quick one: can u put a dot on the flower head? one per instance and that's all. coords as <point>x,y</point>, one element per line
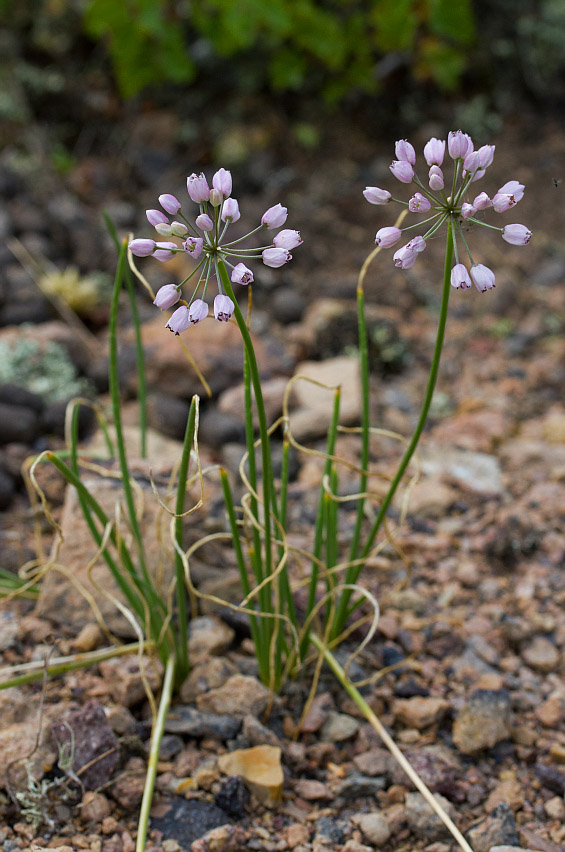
<point>469,166</point>
<point>204,238</point>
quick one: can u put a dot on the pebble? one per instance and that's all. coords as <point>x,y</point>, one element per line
<point>257,734</point>
<point>419,712</point>
<point>555,808</point>
<point>484,720</point>
<point>208,634</point>
<point>498,829</point>
<point>479,472</point>
<point>551,778</point>
<point>312,790</point>
<point>220,427</point>
<point>260,770</point>
<point>94,807</point>
<point>509,791</point>
<point>128,789</point>
<point>338,727</point>
<point>375,828</point>
<point>88,639</point>
<point>210,674</point>
<point>314,403</point>
<point>95,744</point>
<point>123,675</point>
<point>238,696</point>
<point>186,820</point>
<point>18,424</point>
<point>422,820</point>
<point>194,723</point>
<point>233,796</point>
<point>296,834</point>
<point>167,415</point>
<point>552,712</point>
<point>317,713</point>
<point>541,655</point>
<point>355,786</point>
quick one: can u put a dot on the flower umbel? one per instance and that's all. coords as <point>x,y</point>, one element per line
<point>468,166</point>
<point>204,240</point>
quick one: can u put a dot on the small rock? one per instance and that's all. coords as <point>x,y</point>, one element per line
<point>170,746</point>
<point>552,712</point>
<point>356,786</point>
<point>227,838</point>
<point>188,819</point>
<point>296,834</point>
<point>317,713</point>
<point>551,778</point>
<point>120,719</point>
<point>288,305</point>
<point>218,428</point>
<point>420,712</point>
<point>498,829</point>
<point>424,821</point>
<point>239,695</point>
<point>312,416</point>
<point>330,830</point>
<point>541,654</point>
<point>167,415</point>
<point>124,677</point>
<point>338,727</point>
<point>206,774</point>
<point>376,761</point>
<point>94,807</point>
<point>89,731</point>
<point>479,472</point>
<point>312,790</point>
<point>484,720</point>
<point>257,734</point>
<point>18,424</point>
<point>129,787</point>
<point>555,808</point>
<point>194,723</point>
<point>208,634</point>
<point>375,828</point>
<point>354,846</point>
<point>260,770</point>
<point>88,639</point>
<point>210,674</point>
<point>233,797</point>
<point>509,791</point>
<point>9,627</point>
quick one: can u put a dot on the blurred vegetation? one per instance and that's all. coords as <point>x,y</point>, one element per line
<point>336,49</point>
<point>44,369</point>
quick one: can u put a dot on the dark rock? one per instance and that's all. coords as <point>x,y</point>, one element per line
<point>17,424</point>
<point>436,774</point>
<point>171,745</point>
<point>233,797</point>
<point>36,311</point>
<point>91,737</point>
<point>218,428</point>
<point>188,720</point>
<point>483,721</point>
<point>498,829</point>
<point>357,786</point>
<point>53,419</point>
<point>168,415</point>
<point>288,305</point>
<point>551,778</point>
<point>188,819</point>
<point>331,829</point>
<point>16,395</point>
<point>97,372</point>
<point>7,490</point>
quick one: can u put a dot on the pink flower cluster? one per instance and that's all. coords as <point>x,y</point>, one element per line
<point>204,241</point>
<point>469,166</point>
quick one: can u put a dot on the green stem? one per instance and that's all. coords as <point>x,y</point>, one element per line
<point>342,611</point>
<point>365,424</point>
<point>182,643</point>
<point>156,737</point>
<point>388,741</point>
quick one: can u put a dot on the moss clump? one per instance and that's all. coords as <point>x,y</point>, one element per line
<point>44,369</point>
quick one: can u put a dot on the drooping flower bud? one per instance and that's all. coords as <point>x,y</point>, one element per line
<point>198,311</point>
<point>482,201</point>
<point>435,176</point>
<point>276,257</point>
<point>193,246</point>
<point>179,321</point>
<point>434,151</point>
<point>405,151</point>
<point>204,222</point>
<point>471,162</point>
<point>222,182</point>
<point>405,257</point>
<point>241,274</point>
<point>287,239</point>
<point>165,251</point>
<point>198,188</point>
<point>482,277</point>
<point>142,248</point>
<point>216,197</point>
<point>467,210</point>
<point>274,217</point>
<point>387,237</point>
<point>508,196</point>
<point>486,155</point>
<point>166,297</point>
<point>230,210</point>
<point>374,195</point>
<point>163,229</point>
<point>223,307</point>
<point>417,244</point>
<point>516,235</point>
<point>459,144</point>
<point>170,203</point>
<point>155,217</point>
<point>419,203</point>
<point>460,277</point>
<point>402,170</point>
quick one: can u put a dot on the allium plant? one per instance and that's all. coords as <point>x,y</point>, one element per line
<point>205,240</point>
<point>456,207</point>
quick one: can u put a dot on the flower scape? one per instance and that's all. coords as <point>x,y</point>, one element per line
<point>204,241</point>
<point>469,167</point>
